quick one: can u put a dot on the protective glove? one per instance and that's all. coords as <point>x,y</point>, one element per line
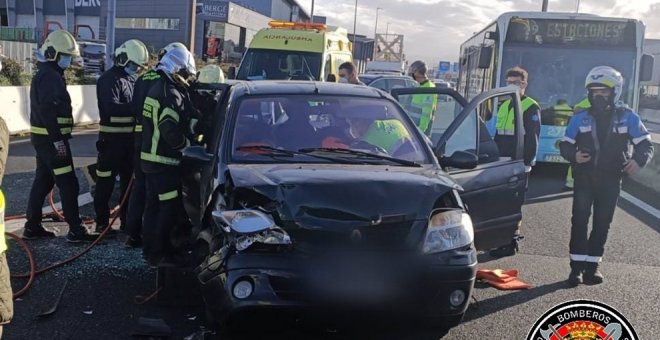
<point>60,149</point>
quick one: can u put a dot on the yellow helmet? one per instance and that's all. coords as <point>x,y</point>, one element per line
<point>132,51</point>
<point>59,42</point>
<point>169,47</point>
<point>211,74</point>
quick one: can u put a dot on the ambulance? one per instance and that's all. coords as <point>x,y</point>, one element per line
<point>295,51</point>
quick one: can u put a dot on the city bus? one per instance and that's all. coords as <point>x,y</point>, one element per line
<point>558,50</point>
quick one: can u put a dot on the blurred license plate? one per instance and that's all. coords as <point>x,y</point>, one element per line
<point>554,158</point>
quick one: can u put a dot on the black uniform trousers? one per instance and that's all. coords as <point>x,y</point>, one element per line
<point>601,193</point>
<point>115,157</point>
<point>162,211</point>
<point>136,202</point>
<point>53,170</point>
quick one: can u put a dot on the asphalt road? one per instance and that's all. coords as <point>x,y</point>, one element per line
<point>105,281</point>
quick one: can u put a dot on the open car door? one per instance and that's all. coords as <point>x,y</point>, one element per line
<point>494,186</point>
<point>199,160</point>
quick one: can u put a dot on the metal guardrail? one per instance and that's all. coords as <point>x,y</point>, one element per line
<point>22,34</point>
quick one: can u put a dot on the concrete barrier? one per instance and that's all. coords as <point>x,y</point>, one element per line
<point>649,115</point>
<point>649,176</point>
<point>15,106</point>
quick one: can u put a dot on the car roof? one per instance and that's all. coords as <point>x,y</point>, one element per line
<point>287,87</point>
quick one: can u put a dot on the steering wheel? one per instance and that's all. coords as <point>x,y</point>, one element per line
<point>363,145</point>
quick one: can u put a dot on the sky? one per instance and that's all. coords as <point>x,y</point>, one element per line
<point>434,29</point>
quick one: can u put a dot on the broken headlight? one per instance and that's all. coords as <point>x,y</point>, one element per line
<point>251,226</point>
<point>448,230</point>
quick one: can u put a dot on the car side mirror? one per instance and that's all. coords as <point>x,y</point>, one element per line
<point>331,78</point>
<point>231,72</point>
<point>460,160</point>
<point>196,154</point>
<point>646,68</point>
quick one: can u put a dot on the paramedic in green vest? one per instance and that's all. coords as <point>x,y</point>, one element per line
<point>562,112</point>
<point>388,135</point>
<point>505,134</point>
<point>423,105</point>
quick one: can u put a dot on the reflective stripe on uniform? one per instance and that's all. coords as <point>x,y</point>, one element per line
<point>62,120</point>
<point>103,174</point>
<point>159,159</point>
<point>63,170</point>
<point>167,112</point>
<point>122,119</point>
<point>116,129</point>
<point>168,195</point>
<point>138,128</point>
<point>43,131</point>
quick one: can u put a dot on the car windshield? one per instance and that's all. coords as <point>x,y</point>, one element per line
<point>261,64</point>
<point>345,129</point>
<point>557,74</point>
<point>93,50</point>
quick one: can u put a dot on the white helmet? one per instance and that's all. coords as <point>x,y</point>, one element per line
<point>605,76</point>
<point>132,50</point>
<point>169,47</point>
<point>179,64</point>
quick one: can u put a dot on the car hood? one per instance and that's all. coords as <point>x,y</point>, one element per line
<point>336,196</point>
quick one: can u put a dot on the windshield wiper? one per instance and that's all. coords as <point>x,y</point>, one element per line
<point>267,150</point>
<point>349,152</point>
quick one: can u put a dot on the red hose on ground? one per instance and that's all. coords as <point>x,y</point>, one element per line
<point>33,271</point>
<point>33,266</point>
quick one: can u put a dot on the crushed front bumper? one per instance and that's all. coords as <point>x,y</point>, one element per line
<point>419,285</point>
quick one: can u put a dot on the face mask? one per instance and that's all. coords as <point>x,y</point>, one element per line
<point>599,103</point>
<point>64,62</point>
<point>131,69</point>
<point>343,80</point>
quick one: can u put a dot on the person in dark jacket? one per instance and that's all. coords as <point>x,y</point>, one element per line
<point>51,122</point>
<point>114,91</point>
<point>165,132</point>
<point>597,144</point>
<point>136,201</point>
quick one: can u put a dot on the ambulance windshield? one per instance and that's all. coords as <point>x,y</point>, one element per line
<point>261,64</point>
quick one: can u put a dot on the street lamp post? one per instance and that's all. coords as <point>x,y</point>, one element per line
<point>376,27</point>
<point>354,27</point>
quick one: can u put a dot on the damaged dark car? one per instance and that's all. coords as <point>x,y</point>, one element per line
<point>315,197</point>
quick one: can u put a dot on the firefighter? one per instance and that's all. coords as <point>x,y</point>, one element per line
<point>6,299</point>
<point>137,201</point>
<point>114,90</point>
<point>597,145</point>
<point>424,105</point>
<point>205,101</point>
<point>165,127</point>
<point>51,122</point>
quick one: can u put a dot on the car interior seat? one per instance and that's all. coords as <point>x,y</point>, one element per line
<point>297,132</point>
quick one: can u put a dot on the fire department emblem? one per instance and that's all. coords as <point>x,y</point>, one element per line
<point>582,320</point>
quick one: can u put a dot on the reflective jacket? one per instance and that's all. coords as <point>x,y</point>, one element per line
<point>114,91</point>
<point>531,124</point>
<point>608,154</point>
<point>165,125</point>
<point>51,119</point>
<point>140,92</point>
<point>423,107</point>
<point>388,134</point>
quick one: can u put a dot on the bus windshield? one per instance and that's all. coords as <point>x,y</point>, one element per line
<point>558,73</point>
<point>260,64</point>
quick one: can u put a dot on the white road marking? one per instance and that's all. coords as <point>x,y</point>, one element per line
<point>640,204</point>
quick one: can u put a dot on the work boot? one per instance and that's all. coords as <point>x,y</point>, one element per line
<point>101,227</point>
<point>80,235</point>
<point>592,275</point>
<point>34,232</point>
<point>133,242</point>
<point>575,277</point>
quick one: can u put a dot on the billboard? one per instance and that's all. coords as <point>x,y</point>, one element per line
<point>87,7</point>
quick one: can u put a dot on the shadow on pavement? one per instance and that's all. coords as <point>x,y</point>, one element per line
<point>499,303</point>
